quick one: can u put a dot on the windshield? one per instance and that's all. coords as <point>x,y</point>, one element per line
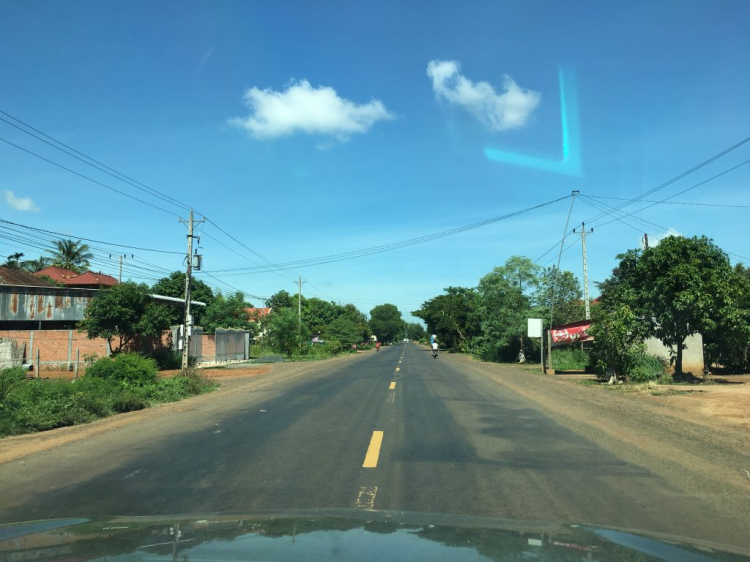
<point>467,258</point>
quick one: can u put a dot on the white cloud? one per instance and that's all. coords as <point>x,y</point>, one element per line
<point>19,203</point>
<point>302,108</point>
<point>499,112</point>
<point>669,232</point>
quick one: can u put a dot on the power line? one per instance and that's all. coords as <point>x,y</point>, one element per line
<point>395,245</point>
<point>92,180</point>
<point>88,160</point>
<point>664,201</point>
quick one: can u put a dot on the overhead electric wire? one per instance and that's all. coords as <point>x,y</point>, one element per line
<point>664,201</point>
<point>72,152</point>
<point>87,177</point>
<point>394,245</point>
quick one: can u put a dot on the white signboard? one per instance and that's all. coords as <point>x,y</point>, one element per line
<point>535,327</point>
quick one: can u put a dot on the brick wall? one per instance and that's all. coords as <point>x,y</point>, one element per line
<point>58,347</point>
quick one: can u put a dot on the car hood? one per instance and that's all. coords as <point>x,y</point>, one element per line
<point>340,534</point>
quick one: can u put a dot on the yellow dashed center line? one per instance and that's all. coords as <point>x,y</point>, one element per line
<point>398,368</point>
<point>366,497</point>
<point>393,386</point>
<point>373,451</point>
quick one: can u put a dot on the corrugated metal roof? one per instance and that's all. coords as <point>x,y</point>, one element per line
<point>56,273</point>
<point>91,278</point>
<point>19,277</point>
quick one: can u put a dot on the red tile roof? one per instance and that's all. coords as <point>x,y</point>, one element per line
<point>91,278</point>
<point>56,273</point>
<point>255,314</point>
<point>10,276</point>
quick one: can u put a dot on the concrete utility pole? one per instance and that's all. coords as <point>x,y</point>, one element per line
<point>645,241</point>
<point>299,303</point>
<point>187,325</point>
<point>585,271</point>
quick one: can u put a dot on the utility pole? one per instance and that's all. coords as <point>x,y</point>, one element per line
<point>187,325</point>
<point>585,270</point>
<point>121,257</point>
<point>299,304</point>
<point>645,241</point>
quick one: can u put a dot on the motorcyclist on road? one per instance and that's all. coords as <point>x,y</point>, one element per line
<point>377,346</point>
<point>434,348</point>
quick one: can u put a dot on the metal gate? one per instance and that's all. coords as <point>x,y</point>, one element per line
<point>230,345</point>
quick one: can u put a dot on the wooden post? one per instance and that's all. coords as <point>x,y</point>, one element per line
<point>78,359</point>
<point>550,368</point>
<point>37,362</point>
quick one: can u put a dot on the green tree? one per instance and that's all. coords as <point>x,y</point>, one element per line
<point>344,331</point>
<point>32,266</point>
<point>174,286</point>
<point>415,331</point>
<point>728,343</point>
<point>280,301</point>
<point>71,254</point>
<point>386,323</point>
<point>505,303</point>
<point>618,345</point>
<point>452,317</point>
<point>13,261</point>
<point>227,312</point>
<point>677,288</point>
<point>285,334</point>
<point>125,311</point>
<point>568,306</point>
<point>318,314</point>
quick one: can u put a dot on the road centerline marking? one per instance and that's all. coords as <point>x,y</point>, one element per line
<point>398,368</point>
<point>392,397</point>
<point>392,386</point>
<point>373,451</point>
<point>366,497</point>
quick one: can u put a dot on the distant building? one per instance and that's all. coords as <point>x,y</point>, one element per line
<point>88,280</point>
<point>257,314</point>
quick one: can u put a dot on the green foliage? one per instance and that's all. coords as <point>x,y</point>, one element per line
<point>648,368</point>
<point>280,301</point>
<point>728,343</point>
<point>568,305</point>
<point>618,346</point>
<point>130,368</point>
<point>13,261</point>
<point>570,359</point>
<point>10,378</point>
<point>677,288</point>
<point>174,286</point>
<point>38,405</point>
<point>226,312</point>
<point>71,254</point>
<point>32,266</point>
<point>452,317</point>
<point>285,334</point>
<point>386,323</point>
<point>167,359</point>
<point>344,331</point>
<point>125,311</point>
<point>415,331</point>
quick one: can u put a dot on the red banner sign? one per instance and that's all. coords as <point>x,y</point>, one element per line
<point>571,333</point>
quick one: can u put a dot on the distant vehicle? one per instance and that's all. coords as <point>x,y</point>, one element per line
<point>406,340</point>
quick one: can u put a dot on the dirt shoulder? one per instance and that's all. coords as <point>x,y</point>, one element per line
<point>235,383</point>
<point>684,438</point>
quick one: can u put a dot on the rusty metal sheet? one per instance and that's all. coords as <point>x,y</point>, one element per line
<point>41,303</point>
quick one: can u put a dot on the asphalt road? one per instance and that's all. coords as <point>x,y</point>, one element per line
<point>393,430</point>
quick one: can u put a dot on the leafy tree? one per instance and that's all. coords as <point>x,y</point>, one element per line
<point>618,345</point>
<point>280,301</point>
<point>285,333</point>
<point>568,306</point>
<point>174,286</point>
<point>32,266</point>
<point>677,288</point>
<point>415,331</point>
<point>728,343</point>
<point>505,303</point>
<point>227,312</point>
<point>13,261</point>
<point>386,322</point>
<point>71,254</point>
<point>344,331</point>
<point>125,311</point>
<point>452,317</point>
<point>318,314</point>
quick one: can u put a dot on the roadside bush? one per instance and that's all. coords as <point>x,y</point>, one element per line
<point>647,368</point>
<point>10,378</point>
<point>132,368</point>
<point>167,359</point>
<point>570,359</point>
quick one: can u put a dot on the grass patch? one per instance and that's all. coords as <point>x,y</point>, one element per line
<point>570,359</point>
<point>38,405</point>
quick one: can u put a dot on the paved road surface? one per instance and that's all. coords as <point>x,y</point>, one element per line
<point>435,437</point>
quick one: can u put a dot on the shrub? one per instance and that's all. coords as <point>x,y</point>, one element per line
<point>131,368</point>
<point>569,359</point>
<point>10,378</point>
<point>167,359</point>
<point>647,368</point>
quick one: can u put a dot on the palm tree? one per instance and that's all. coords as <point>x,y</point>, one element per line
<point>13,261</point>
<point>72,255</point>
<point>32,266</point>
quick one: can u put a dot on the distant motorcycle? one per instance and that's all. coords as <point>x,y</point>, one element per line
<point>434,353</point>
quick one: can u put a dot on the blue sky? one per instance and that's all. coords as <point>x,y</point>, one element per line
<point>306,129</point>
